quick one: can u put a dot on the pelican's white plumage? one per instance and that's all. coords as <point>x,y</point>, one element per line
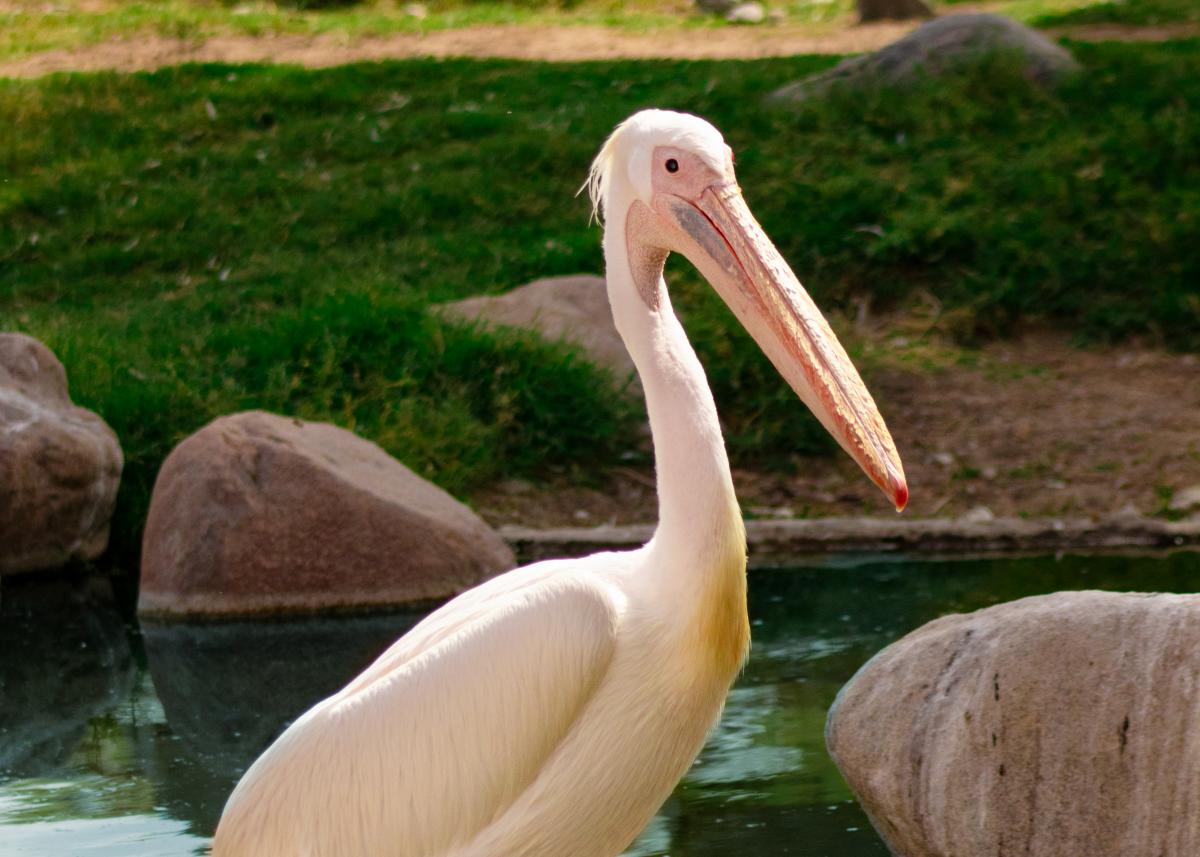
<point>551,710</point>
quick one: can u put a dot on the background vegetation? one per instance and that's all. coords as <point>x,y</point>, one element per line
<point>203,240</point>
<point>1137,13</point>
<point>29,26</point>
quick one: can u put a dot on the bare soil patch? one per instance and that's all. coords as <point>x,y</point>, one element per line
<point>1030,428</point>
<point>523,42</point>
<point>501,41</point>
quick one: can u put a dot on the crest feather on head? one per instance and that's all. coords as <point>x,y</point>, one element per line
<point>600,174</point>
<point>652,128</point>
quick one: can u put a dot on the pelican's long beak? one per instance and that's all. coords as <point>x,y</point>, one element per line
<point>735,255</point>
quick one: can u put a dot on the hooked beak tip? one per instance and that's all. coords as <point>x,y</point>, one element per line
<point>899,486</point>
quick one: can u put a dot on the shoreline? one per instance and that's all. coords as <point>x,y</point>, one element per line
<point>778,542</point>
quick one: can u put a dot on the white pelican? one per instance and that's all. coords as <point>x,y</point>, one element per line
<point>550,711</point>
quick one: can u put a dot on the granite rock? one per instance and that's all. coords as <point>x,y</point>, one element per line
<point>60,465</point>
<point>258,513</point>
<point>938,48</point>
<point>1053,726</point>
<point>574,309</point>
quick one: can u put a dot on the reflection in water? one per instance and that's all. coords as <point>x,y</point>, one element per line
<point>109,750</point>
<point>64,663</point>
<point>228,689</point>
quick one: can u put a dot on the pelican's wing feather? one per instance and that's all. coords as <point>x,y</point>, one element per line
<point>468,609</point>
<point>423,751</point>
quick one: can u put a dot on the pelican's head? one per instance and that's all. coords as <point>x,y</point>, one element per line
<point>666,181</point>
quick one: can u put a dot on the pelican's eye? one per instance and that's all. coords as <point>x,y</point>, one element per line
<point>672,165</point>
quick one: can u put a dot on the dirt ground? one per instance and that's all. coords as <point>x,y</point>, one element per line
<point>1033,427</point>
<point>509,41</point>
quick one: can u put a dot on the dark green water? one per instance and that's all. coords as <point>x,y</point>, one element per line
<point>123,741</point>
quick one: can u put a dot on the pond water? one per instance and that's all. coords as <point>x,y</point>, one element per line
<point>123,741</point>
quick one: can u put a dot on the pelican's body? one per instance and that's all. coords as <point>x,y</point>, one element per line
<point>551,710</point>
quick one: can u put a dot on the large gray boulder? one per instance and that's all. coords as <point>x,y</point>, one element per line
<point>574,309</point>
<point>258,513</point>
<point>60,465</point>
<point>1056,726</point>
<point>937,48</point>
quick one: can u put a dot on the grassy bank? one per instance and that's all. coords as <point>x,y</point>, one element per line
<point>208,239</point>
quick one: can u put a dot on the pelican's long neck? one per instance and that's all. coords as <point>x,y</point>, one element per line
<point>699,519</point>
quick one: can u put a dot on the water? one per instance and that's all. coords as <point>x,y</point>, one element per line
<point>119,741</point>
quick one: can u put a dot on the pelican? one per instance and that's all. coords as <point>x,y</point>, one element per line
<point>551,710</point>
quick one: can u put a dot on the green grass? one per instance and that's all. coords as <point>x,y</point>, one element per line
<point>208,239</point>
<point>1079,206</point>
<point>1134,13</point>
